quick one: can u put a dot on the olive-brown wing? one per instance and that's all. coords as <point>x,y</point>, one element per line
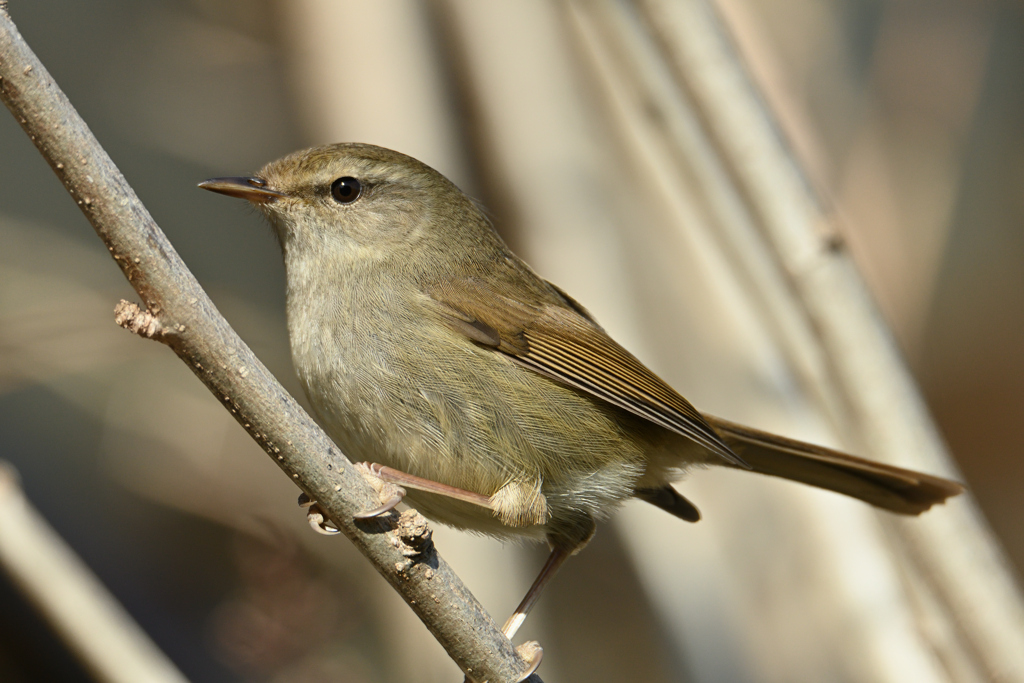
<point>547,333</point>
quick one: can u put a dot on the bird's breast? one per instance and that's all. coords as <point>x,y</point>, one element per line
<point>393,385</point>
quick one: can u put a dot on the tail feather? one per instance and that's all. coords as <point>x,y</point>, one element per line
<point>891,488</point>
<point>671,501</point>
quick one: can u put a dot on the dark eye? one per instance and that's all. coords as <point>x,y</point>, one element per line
<point>346,190</point>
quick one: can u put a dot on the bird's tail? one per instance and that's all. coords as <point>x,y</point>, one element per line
<point>891,488</point>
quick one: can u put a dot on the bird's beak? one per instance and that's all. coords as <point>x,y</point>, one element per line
<point>253,189</point>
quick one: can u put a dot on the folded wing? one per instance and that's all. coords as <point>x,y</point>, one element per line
<point>553,335</point>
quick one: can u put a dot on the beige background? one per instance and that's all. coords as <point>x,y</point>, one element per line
<point>907,115</point>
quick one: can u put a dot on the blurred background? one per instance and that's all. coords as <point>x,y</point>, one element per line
<point>908,115</point>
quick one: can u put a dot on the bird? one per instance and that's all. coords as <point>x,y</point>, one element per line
<point>486,394</point>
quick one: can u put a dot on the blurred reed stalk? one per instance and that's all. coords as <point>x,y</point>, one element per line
<point>673,70</point>
<point>79,609</point>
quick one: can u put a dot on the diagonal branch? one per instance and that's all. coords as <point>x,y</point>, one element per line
<point>181,315</point>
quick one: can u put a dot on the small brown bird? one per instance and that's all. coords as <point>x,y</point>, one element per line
<point>425,345</point>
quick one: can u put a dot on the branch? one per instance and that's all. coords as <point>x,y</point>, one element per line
<point>181,315</point>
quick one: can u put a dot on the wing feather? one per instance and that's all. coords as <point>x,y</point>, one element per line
<point>556,337</point>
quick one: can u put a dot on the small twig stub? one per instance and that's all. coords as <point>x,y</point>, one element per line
<point>131,317</point>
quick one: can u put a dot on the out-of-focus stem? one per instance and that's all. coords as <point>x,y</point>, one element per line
<point>72,600</point>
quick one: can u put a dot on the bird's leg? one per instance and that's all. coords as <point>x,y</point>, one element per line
<point>555,559</point>
<point>569,537</point>
<point>532,652</point>
<point>393,476</point>
<point>389,484</point>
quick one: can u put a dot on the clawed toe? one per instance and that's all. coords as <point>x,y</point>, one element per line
<point>388,506</point>
<point>315,516</point>
<point>318,522</point>
<point>533,653</point>
<point>390,493</point>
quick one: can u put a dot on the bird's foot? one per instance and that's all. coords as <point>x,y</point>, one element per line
<point>532,653</point>
<point>315,516</point>
<point>390,493</point>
